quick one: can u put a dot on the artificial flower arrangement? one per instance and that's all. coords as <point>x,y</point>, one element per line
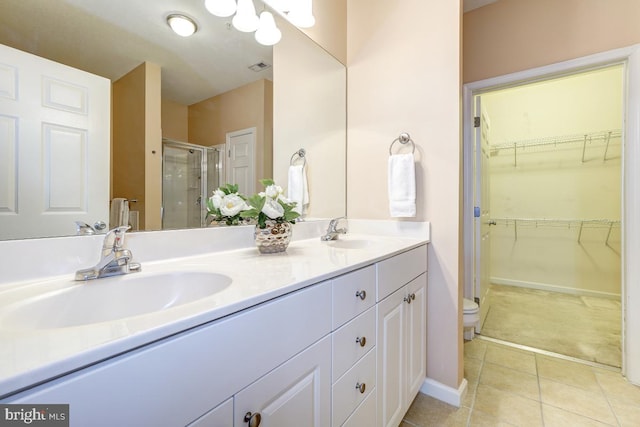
<point>270,204</point>
<point>229,206</point>
<point>226,205</point>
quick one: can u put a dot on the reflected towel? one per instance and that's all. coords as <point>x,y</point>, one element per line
<point>402,185</point>
<point>297,188</point>
<point>119,214</point>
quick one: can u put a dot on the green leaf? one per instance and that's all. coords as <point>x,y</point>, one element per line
<point>250,213</point>
<point>267,182</point>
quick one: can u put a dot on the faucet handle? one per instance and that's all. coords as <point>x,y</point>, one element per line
<point>334,222</point>
<point>114,240</point>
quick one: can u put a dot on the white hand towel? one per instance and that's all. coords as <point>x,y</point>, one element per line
<point>402,185</point>
<point>297,188</point>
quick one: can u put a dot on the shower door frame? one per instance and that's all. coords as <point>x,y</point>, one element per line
<point>629,57</point>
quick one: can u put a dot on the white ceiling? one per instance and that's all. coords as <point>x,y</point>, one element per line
<point>111,37</point>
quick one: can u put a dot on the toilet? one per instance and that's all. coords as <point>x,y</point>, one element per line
<point>471,317</point>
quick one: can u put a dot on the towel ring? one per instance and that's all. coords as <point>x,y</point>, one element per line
<point>301,153</point>
<point>403,139</point>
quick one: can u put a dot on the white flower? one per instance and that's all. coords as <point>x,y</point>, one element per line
<point>272,209</point>
<point>273,191</point>
<point>216,198</point>
<point>232,204</point>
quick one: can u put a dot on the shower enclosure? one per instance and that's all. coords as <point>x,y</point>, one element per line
<point>189,174</point>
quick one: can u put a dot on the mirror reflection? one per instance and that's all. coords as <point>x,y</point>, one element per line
<point>175,108</point>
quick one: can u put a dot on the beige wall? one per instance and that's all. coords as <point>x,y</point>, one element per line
<point>245,107</point>
<point>137,149</point>
<point>309,111</point>
<point>175,118</point>
<point>404,75</point>
<point>514,35</point>
<point>153,148</point>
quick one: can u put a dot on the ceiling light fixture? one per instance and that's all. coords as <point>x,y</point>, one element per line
<point>301,14</point>
<point>221,8</point>
<point>182,25</point>
<point>246,19</point>
<point>298,12</point>
<point>268,34</point>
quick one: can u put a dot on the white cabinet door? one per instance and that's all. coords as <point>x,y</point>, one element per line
<point>391,359</point>
<point>416,336</point>
<point>402,350</point>
<point>297,393</point>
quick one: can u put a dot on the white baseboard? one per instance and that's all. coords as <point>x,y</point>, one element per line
<point>443,392</point>
<point>553,288</point>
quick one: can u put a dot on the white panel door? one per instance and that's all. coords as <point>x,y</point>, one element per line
<point>54,146</point>
<point>483,222</point>
<point>241,163</point>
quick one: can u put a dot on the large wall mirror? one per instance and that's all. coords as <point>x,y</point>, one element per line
<point>174,103</point>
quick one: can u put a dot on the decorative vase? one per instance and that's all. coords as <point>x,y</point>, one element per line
<point>274,238</point>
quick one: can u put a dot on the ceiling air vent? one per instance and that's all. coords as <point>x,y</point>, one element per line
<point>260,66</point>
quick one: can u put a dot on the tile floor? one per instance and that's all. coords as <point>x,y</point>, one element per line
<point>513,387</point>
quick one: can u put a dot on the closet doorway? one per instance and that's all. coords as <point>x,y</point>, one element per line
<point>629,58</point>
<point>550,192</point>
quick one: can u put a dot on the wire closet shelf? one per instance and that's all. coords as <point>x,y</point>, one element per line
<point>571,224</point>
<point>600,138</point>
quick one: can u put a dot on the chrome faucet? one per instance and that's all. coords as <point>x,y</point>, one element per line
<point>115,259</point>
<point>333,231</point>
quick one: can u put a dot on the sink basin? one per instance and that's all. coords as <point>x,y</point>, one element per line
<point>111,298</point>
<point>349,243</point>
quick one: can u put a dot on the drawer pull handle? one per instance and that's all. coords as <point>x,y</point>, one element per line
<point>409,298</point>
<point>362,341</point>
<point>361,387</point>
<point>253,419</point>
<point>361,294</point>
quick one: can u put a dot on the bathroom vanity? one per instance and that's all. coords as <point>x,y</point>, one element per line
<point>327,334</point>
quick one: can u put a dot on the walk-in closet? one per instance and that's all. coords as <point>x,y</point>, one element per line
<point>554,184</point>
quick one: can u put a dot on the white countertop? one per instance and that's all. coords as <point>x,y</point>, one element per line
<point>30,356</point>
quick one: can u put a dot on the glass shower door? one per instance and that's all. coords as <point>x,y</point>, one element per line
<point>182,170</point>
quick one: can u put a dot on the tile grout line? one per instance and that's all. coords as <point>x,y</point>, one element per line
<point>606,396</point>
<point>535,358</point>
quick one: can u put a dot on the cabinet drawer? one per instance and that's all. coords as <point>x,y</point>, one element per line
<point>353,293</point>
<point>346,349</point>
<point>346,396</point>
<point>397,271</point>
<point>365,415</point>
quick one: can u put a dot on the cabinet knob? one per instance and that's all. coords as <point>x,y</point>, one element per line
<point>253,419</point>
<point>362,341</point>
<point>361,387</point>
<point>409,298</point>
<point>361,294</point>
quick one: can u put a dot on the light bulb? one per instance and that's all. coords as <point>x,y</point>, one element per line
<point>182,25</point>
<point>246,19</point>
<point>222,8</point>
<point>301,14</point>
<point>267,34</point>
